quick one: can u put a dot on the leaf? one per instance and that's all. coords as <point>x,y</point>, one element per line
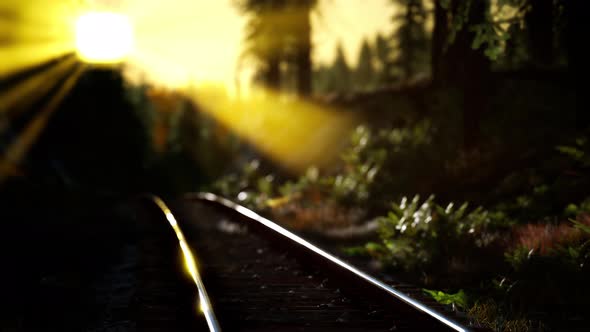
<point>583,227</point>
<point>573,252</point>
<point>355,251</point>
<point>571,151</point>
<point>459,299</point>
<point>373,246</point>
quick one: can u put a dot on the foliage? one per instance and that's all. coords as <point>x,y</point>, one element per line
<point>489,314</point>
<point>335,78</point>
<point>368,174</point>
<point>560,272</point>
<point>369,165</point>
<point>458,299</point>
<point>364,75</point>
<point>386,163</point>
<point>277,31</point>
<point>361,166</point>
<point>247,185</point>
<point>547,269</point>
<point>383,58</point>
<point>572,210</point>
<point>425,236</point>
<point>410,38</point>
<point>493,33</point>
<point>579,151</point>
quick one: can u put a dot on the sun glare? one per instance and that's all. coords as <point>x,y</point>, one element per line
<point>104,37</point>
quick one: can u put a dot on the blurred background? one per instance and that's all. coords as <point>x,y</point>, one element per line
<point>320,114</point>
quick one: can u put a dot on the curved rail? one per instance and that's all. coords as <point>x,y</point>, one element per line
<point>417,305</point>
<point>191,265</point>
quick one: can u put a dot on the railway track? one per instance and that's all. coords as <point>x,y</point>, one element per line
<point>250,274</point>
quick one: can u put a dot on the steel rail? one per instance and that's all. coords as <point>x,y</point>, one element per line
<point>251,215</point>
<point>191,264</point>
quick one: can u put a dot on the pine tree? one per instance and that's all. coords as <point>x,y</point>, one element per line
<point>340,81</point>
<point>364,76</point>
<point>301,32</point>
<point>412,39</point>
<point>383,55</point>
<point>457,65</point>
<point>279,32</point>
<point>265,38</point>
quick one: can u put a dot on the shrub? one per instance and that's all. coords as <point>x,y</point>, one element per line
<point>424,236</point>
<point>380,165</point>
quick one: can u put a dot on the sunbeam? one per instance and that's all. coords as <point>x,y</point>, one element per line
<point>25,93</point>
<point>195,45</point>
<point>33,32</point>
<point>180,45</point>
<point>18,149</point>
<point>295,133</point>
<point>16,152</point>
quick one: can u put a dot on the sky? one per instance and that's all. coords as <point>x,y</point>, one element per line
<point>186,41</point>
<point>348,21</point>
<point>200,40</point>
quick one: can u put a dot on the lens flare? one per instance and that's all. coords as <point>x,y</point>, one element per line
<point>103,37</point>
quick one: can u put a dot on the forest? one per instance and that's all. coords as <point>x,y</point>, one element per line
<point>460,148</point>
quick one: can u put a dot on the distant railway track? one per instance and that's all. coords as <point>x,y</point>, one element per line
<point>251,274</point>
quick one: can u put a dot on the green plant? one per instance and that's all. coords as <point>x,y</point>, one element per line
<point>372,165</point>
<point>543,278</point>
<point>573,210</point>
<point>458,299</point>
<point>363,160</point>
<point>247,185</point>
<point>425,236</point>
<point>579,151</point>
<point>488,313</point>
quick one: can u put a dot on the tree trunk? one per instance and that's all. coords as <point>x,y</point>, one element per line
<point>467,70</point>
<point>576,51</point>
<point>303,54</point>
<point>439,37</point>
<point>273,73</point>
<point>539,21</point>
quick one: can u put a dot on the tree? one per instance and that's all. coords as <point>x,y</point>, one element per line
<point>340,71</point>
<point>322,79</point>
<point>335,77</point>
<point>301,30</point>
<point>383,51</point>
<point>460,66</point>
<point>265,38</point>
<point>364,76</point>
<point>440,34</point>
<point>576,55</point>
<point>540,24</point>
<point>411,37</point>
<point>279,31</point>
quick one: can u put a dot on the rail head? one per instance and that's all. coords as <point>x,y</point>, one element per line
<point>417,305</point>
<point>191,264</point>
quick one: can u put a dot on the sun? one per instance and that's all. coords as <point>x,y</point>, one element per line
<point>104,37</point>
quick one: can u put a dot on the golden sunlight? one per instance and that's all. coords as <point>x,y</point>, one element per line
<point>295,133</point>
<point>189,44</point>
<point>103,37</point>
<point>33,32</point>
